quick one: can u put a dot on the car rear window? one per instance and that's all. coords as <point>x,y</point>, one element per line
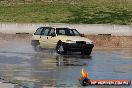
<point>38,31</point>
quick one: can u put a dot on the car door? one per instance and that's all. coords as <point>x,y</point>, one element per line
<point>52,38</point>
<point>44,38</point>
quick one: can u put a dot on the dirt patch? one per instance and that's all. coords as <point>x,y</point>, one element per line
<point>6,39</point>
<point>15,37</point>
<point>100,41</point>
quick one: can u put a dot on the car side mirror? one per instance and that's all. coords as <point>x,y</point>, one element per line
<point>82,35</point>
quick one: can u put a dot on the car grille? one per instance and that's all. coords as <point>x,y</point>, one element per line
<point>80,42</point>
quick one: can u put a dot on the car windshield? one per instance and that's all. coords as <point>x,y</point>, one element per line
<point>67,32</point>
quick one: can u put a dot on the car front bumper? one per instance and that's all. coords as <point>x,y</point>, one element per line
<point>77,47</point>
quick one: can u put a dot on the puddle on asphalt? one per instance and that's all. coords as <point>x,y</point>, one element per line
<point>48,69</point>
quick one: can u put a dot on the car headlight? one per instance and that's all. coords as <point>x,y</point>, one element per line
<point>70,41</point>
<point>89,42</point>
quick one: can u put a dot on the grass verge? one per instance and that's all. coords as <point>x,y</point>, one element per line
<point>71,11</point>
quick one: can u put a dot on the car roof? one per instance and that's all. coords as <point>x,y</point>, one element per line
<point>56,27</point>
<point>62,28</point>
<point>45,27</point>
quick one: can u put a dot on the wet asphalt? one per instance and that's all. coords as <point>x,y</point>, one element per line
<point>26,68</point>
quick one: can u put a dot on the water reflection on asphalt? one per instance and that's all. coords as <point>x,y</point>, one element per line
<point>48,69</point>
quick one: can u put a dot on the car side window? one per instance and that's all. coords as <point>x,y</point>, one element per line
<point>52,31</point>
<point>76,32</point>
<point>45,32</point>
<point>71,32</point>
<point>61,32</point>
<point>38,31</point>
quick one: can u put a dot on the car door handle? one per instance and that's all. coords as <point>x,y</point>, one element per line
<point>47,37</point>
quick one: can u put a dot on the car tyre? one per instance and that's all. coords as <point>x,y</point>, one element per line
<point>60,48</point>
<point>37,47</point>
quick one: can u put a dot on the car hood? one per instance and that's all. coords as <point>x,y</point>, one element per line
<point>76,38</point>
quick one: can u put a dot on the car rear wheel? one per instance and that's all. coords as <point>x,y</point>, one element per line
<point>37,48</point>
<point>60,48</point>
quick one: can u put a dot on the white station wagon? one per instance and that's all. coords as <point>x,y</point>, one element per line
<point>61,39</point>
